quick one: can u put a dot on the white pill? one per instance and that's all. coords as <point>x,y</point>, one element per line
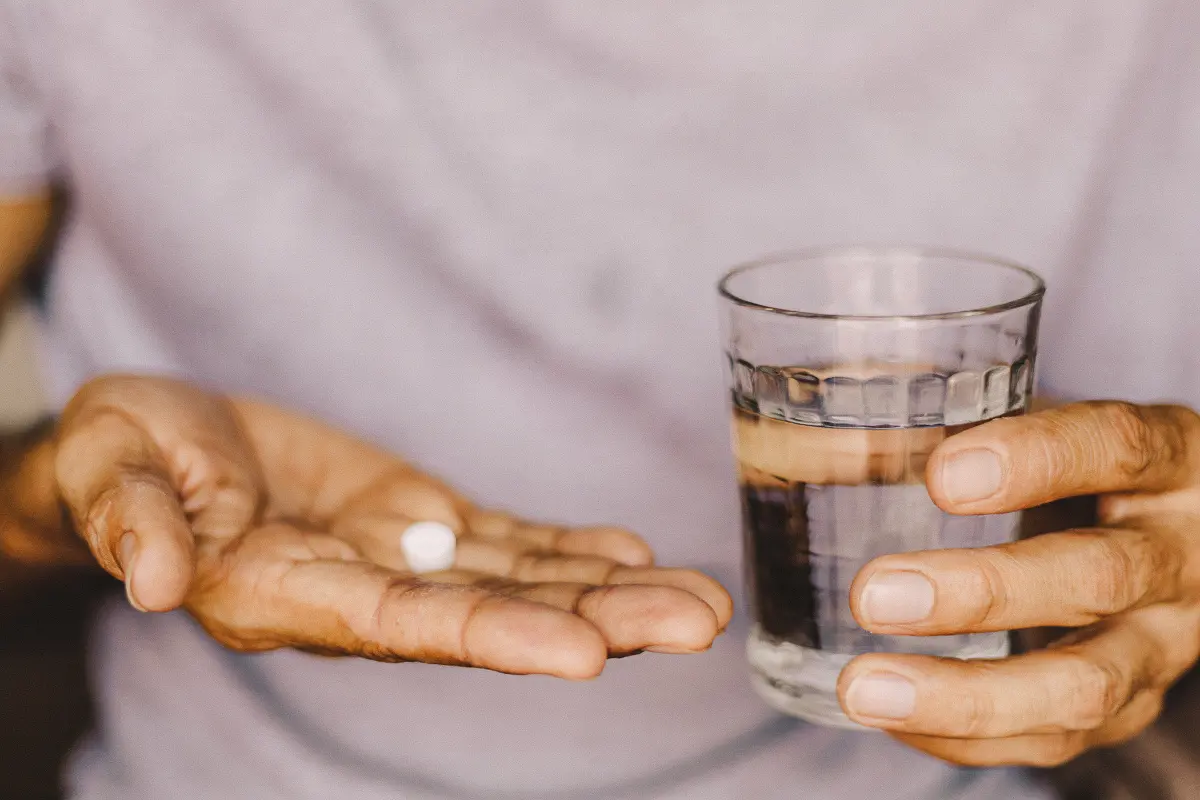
<point>428,546</point>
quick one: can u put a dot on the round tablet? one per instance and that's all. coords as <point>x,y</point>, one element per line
<point>428,546</point>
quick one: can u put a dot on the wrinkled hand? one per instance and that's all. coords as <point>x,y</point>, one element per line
<point>1131,588</point>
<point>274,530</point>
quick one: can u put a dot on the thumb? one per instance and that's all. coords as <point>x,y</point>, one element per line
<point>116,484</point>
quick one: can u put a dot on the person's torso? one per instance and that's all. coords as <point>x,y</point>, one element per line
<point>486,234</point>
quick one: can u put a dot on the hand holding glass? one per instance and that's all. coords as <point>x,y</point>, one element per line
<point>846,369</point>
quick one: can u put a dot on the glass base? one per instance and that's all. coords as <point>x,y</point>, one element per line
<point>802,682</point>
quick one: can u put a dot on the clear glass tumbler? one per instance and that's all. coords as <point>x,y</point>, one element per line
<point>846,368</point>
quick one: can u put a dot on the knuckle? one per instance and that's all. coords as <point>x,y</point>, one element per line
<point>1177,437</point>
<point>413,620</point>
<point>410,593</point>
<point>992,598</point>
<point>590,601</point>
<point>463,651</point>
<point>1097,690</point>
<point>1140,444</point>
<point>1116,577</point>
<point>402,605</point>
<point>978,714</point>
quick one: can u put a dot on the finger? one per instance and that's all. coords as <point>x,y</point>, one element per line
<point>539,567</point>
<point>614,544</point>
<point>375,519</point>
<point>505,560</point>
<point>486,522</point>
<point>206,453</point>
<point>378,535</point>
<point>617,544</point>
<point>406,496</point>
<point>338,474</point>
<point>379,539</point>
<point>1081,449</point>
<point>630,617</point>
<point>1040,750</point>
<point>273,597</point>
<point>1065,579</point>
<point>697,583</point>
<point>662,618</point>
<point>1078,687</point>
<point>510,557</point>
<point>536,537</point>
<point>115,483</point>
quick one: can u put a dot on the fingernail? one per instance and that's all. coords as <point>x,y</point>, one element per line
<point>882,695</point>
<point>128,553</point>
<point>897,598</point>
<point>971,475</point>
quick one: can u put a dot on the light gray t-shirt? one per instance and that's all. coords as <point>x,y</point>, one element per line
<point>485,232</point>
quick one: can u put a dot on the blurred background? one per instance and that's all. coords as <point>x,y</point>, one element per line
<point>44,702</point>
<point>21,398</point>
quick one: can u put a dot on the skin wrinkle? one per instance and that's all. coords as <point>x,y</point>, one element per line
<point>1115,591</point>
<point>97,519</point>
<point>219,556</point>
<point>1051,456</point>
<point>411,626</point>
<point>980,713</point>
<point>597,596</point>
<point>528,566</point>
<point>102,515</point>
<point>1120,690</point>
<point>473,615</point>
<point>1135,585</point>
<point>995,593</point>
<point>194,475</point>
<point>182,466</point>
<point>393,592</point>
<point>580,598</point>
<point>286,584</point>
<point>238,511</point>
<point>281,581</point>
<point>1096,692</point>
<point>1141,444</point>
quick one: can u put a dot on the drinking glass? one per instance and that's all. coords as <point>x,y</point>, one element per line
<point>846,368</point>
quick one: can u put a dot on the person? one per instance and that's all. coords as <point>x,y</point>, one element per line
<point>483,235</point>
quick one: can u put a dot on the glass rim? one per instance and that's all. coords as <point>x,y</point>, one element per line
<point>916,251</point>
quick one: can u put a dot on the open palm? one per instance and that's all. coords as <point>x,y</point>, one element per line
<point>274,530</point>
